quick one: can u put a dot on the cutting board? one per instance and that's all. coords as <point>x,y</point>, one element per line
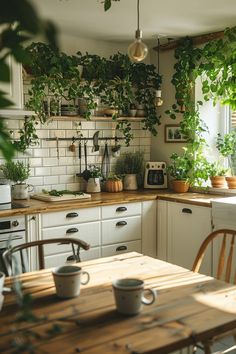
<point>50,198</point>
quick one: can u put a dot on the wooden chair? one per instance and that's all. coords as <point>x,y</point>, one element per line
<point>223,241</point>
<point>8,254</point>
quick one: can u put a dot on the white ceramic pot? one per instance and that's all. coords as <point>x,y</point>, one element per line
<point>93,185</point>
<point>21,191</point>
<point>130,182</point>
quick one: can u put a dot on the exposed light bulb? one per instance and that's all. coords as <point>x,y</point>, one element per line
<point>137,51</point>
<point>158,99</point>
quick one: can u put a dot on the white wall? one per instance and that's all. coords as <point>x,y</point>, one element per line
<point>160,151</point>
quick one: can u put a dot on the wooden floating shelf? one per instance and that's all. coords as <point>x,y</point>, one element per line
<point>97,119</point>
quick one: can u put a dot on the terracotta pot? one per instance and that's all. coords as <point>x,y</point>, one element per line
<point>231,182</point>
<point>180,186</point>
<point>218,182</point>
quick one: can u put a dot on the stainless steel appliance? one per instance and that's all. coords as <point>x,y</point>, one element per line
<point>155,175</point>
<point>12,232</point>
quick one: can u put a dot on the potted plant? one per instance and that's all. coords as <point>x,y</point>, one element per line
<point>227,147</point>
<point>180,170</point>
<point>17,172</point>
<point>217,175</point>
<point>130,165</point>
<point>114,183</point>
<point>93,184</point>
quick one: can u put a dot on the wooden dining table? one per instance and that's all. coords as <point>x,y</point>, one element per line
<point>190,308</point>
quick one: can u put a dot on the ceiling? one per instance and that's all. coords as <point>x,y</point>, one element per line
<point>169,18</point>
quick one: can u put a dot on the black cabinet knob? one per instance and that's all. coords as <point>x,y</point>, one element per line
<point>72,230</point>
<point>121,209</point>
<point>121,248</point>
<point>72,215</point>
<point>121,223</point>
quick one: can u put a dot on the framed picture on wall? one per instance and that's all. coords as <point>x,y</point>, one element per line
<point>173,134</point>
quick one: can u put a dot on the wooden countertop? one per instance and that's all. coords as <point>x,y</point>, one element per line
<point>33,206</point>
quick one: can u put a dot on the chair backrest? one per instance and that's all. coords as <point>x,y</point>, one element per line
<point>8,254</point>
<point>224,241</point>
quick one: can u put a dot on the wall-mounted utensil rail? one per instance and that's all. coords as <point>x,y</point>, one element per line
<point>116,138</point>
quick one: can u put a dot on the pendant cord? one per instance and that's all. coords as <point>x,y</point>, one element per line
<point>158,54</point>
<point>138,13</point>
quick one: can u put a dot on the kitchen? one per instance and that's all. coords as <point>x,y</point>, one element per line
<point>158,213</point>
<point>53,165</point>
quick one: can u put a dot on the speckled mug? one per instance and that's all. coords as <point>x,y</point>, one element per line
<point>129,296</point>
<point>67,280</point>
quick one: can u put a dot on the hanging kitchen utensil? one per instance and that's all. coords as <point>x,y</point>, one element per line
<point>85,173</point>
<point>72,146</point>
<point>80,159</point>
<point>95,141</point>
<point>105,162</point>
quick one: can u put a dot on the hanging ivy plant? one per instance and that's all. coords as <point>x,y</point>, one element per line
<point>117,80</point>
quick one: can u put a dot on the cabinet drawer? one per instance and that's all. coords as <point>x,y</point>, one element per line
<point>120,230</point>
<point>89,233</point>
<point>70,217</point>
<point>121,248</point>
<point>57,260</point>
<point>120,210</point>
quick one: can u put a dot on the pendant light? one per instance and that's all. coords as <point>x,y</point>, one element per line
<point>137,50</point>
<point>158,99</point>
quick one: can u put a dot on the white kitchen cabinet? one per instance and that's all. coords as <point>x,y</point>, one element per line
<point>149,228</point>
<point>121,228</point>
<point>84,224</point>
<point>181,230</point>
<point>14,88</point>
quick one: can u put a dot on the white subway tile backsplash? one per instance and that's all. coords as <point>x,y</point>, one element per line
<point>63,124</point>
<point>51,180</point>
<point>50,161</point>
<point>47,171</point>
<point>42,171</point>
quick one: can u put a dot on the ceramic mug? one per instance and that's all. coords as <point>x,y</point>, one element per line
<point>21,190</point>
<point>2,278</point>
<point>129,296</point>
<point>67,280</point>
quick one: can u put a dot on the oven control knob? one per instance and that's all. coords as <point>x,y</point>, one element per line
<point>15,223</point>
<point>148,166</point>
<point>163,166</point>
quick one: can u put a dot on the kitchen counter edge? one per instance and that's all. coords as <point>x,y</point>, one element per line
<point>33,206</point>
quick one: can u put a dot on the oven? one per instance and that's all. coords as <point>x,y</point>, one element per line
<point>155,175</point>
<point>12,233</point>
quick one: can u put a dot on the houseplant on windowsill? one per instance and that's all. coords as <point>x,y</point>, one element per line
<point>180,170</point>
<point>17,172</point>
<point>93,184</point>
<point>217,175</point>
<point>130,165</point>
<point>227,147</point>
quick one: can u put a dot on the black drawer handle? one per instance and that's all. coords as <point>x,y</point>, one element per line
<point>121,223</point>
<point>187,211</point>
<point>121,248</point>
<point>121,209</point>
<point>72,230</point>
<point>72,215</point>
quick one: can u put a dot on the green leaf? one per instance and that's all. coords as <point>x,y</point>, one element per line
<point>107,4</point>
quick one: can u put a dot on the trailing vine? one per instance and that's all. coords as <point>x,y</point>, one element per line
<point>117,81</point>
<point>215,64</point>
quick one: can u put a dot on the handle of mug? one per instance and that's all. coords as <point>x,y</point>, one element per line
<point>88,278</point>
<point>146,301</point>
<point>30,188</point>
